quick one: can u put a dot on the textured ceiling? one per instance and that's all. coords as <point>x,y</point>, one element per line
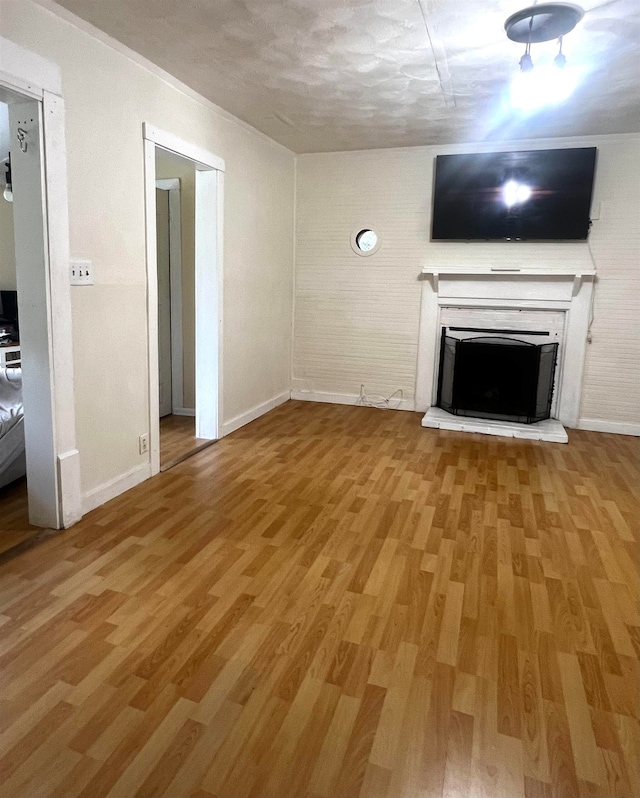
<point>320,75</point>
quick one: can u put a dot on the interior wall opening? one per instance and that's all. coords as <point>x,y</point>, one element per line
<point>14,516</point>
<point>184,266</point>
<point>29,478</point>
<point>175,241</point>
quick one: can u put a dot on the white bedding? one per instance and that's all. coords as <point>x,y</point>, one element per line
<point>12,461</point>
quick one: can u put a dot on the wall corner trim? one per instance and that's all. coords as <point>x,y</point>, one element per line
<point>184,411</point>
<point>253,413</point>
<point>114,487</point>
<point>69,478</point>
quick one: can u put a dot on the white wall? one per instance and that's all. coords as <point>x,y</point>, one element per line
<point>108,96</point>
<point>356,319</point>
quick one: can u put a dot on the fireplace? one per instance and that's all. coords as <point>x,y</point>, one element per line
<point>545,311</point>
<point>496,377</point>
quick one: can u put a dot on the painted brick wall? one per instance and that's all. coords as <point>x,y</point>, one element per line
<point>356,319</point>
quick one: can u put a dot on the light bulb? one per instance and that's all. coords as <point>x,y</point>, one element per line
<point>560,61</point>
<point>526,63</point>
<point>544,85</point>
<point>8,193</point>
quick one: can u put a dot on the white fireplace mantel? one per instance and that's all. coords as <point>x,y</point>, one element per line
<point>567,290</point>
<point>498,270</point>
<point>531,275</point>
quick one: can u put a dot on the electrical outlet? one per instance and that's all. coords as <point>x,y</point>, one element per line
<point>81,272</point>
<point>143,442</point>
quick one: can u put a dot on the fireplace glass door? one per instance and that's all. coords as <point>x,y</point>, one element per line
<point>497,378</point>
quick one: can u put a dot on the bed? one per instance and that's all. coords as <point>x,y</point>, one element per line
<point>12,456</point>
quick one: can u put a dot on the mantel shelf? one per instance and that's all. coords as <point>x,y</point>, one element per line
<point>484,272</point>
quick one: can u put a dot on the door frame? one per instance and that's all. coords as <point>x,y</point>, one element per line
<point>59,504</point>
<point>172,186</point>
<point>209,215</point>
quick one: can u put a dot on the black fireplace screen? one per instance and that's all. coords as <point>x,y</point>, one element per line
<point>497,378</point>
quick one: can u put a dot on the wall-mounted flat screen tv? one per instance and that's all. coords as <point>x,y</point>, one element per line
<point>534,195</point>
<point>9,314</point>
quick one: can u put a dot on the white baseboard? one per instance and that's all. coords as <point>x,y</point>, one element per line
<point>183,411</point>
<point>346,399</point>
<point>114,487</point>
<point>251,415</point>
<point>617,427</point>
<point>69,474</point>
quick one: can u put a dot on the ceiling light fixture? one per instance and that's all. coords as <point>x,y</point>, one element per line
<point>548,84</point>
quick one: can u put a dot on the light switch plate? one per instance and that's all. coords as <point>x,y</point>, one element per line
<point>81,272</point>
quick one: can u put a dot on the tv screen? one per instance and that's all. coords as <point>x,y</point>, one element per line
<point>535,195</point>
<point>9,312</point>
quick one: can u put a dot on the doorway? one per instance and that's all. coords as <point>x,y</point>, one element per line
<point>38,190</point>
<point>184,273</point>
<point>175,241</point>
<point>14,516</point>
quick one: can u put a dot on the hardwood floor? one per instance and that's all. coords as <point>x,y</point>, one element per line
<point>178,440</point>
<point>335,602</point>
<point>15,528</point>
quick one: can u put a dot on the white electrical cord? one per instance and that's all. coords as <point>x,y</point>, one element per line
<point>381,402</point>
<point>593,294</point>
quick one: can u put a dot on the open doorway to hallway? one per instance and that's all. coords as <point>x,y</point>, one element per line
<point>34,347</point>
<point>14,516</point>
<point>175,242</point>
<point>175,198</point>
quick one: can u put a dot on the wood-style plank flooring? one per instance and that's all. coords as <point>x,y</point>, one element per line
<point>333,601</point>
<point>14,516</point>
<point>178,440</point>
